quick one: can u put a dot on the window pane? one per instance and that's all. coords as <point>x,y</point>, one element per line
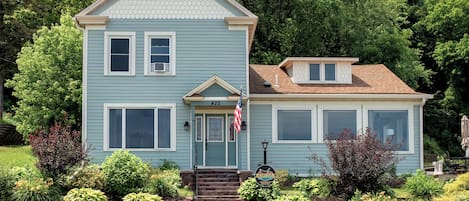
<point>164,128</point>
<point>198,128</point>
<point>160,42</point>
<point>139,128</point>
<point>159,50</point>
<point>390,125</point>
<point>215,129</point>
<point>120,46</point>
<point>329,72</point>
<point>120,63</point>
<point>159,59</point>
<point>294,125</point>
<point>232,136</point>
<point>314,71</point>
<point>336,121</point>
<point>115,128</point>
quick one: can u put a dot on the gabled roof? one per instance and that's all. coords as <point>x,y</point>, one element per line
<point>231,11</point>
<point>366,79</point>
<point>195,94</point>
<point>287,62</point>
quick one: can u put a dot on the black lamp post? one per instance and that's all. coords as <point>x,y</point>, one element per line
<point>264,145</point>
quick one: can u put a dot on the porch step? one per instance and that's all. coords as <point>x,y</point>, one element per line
<point>217,184</point>
<point>218,198</point>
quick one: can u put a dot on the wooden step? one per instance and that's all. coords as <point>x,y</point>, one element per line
<point>216,198</point>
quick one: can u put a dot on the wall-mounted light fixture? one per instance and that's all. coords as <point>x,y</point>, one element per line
<point>243,125</point>
<point>186,126</point>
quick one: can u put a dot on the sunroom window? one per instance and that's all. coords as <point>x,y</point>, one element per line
<point>337,122</point>
<point>294,125</point>
<point>391,126</point>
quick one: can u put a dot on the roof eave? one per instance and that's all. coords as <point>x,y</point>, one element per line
<point>287,62</point>
<point>414,97</point>
<point>82,21</point>
<point>249,21</point>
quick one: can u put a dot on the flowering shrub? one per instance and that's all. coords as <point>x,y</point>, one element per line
<point>359,162</point>
<point>372,197</point>
<point>89,176</point>
<point>57,149</point>
<point>165,183</point>
<point>35,190</point>
<point>85,194</point>
<point>458,190</point>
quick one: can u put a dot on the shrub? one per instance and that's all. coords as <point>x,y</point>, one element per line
<point>359,162</point>
<point>313,187</point>
<point>124,173</point>
<point>141,197</point>
<point>291,198</point>
<point>358,196</point>
<point>35,190</point>
<point>281,176</point>
<point>423,186</point>
<point>168,165</point>
<point>165,183</point>
<point>458,190</point>
<point>7,183</point>
<point>251,191</point>
<point>85,194</point>
<point>57,149</point>
<point>89,176</point>
<point>25,173</point>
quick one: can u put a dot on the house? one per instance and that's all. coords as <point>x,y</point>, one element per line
<point>161,78</point>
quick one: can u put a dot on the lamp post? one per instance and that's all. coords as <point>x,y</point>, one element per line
<point>264,145</point>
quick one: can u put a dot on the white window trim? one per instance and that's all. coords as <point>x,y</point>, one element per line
<point>410,121</point>
<point>322,73</point>
<point>323,107</point>
<point>147,52</point>
<point>108,106</point>
<point>107,52</point>
<point>275,109</point>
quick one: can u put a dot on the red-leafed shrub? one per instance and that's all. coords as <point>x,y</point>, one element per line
<point>57,149</point>
<point>359,163</point>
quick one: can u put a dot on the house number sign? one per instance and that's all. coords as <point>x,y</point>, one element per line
<point>265,176</point>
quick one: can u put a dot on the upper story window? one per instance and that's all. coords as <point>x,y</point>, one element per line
<point>322,72</point>
<point>160,53</point>
<point>119,53</point>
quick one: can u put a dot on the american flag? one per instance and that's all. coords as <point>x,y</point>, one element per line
<point>238,112</point>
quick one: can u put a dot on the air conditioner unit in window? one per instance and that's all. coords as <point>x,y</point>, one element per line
<point>159,67</point>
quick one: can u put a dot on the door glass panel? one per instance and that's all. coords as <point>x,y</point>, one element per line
<point>198,129</point>
<point>215,129</point>
<point>231,133</point>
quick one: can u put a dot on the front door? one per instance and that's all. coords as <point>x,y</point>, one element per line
<point>215,140</point>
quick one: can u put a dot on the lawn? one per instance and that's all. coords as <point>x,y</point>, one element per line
<point>11,156</point>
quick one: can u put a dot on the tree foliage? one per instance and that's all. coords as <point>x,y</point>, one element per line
<point>48,84</point>
<point>367,29</point>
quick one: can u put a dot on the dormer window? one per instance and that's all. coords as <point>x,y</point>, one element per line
<point>322,72</point>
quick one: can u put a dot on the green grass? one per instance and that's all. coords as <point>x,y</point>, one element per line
<point>11,156</point>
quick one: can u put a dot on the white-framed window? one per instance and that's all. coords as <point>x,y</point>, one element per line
<point>119,53</point>
<point>160,53</point>
<point>199,128</point>
<point>140,127</point>
<point>335,119</point>
<point>293,124</point>
<point>392,124</point>
<point>322,72</point>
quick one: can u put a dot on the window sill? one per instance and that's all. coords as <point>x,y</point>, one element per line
<point>159,75</point>
<point>119,75</point>
<point>293,142</point>
<point>140,150</point>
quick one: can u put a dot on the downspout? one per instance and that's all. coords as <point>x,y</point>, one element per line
<point>83,83</point>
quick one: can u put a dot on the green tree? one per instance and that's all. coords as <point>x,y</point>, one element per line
<point>369,29</point>
<point>48,84</point>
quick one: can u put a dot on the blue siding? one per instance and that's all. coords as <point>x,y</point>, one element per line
<point>204,48</point>
<point>294,157</point>
<point>215,91</point>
